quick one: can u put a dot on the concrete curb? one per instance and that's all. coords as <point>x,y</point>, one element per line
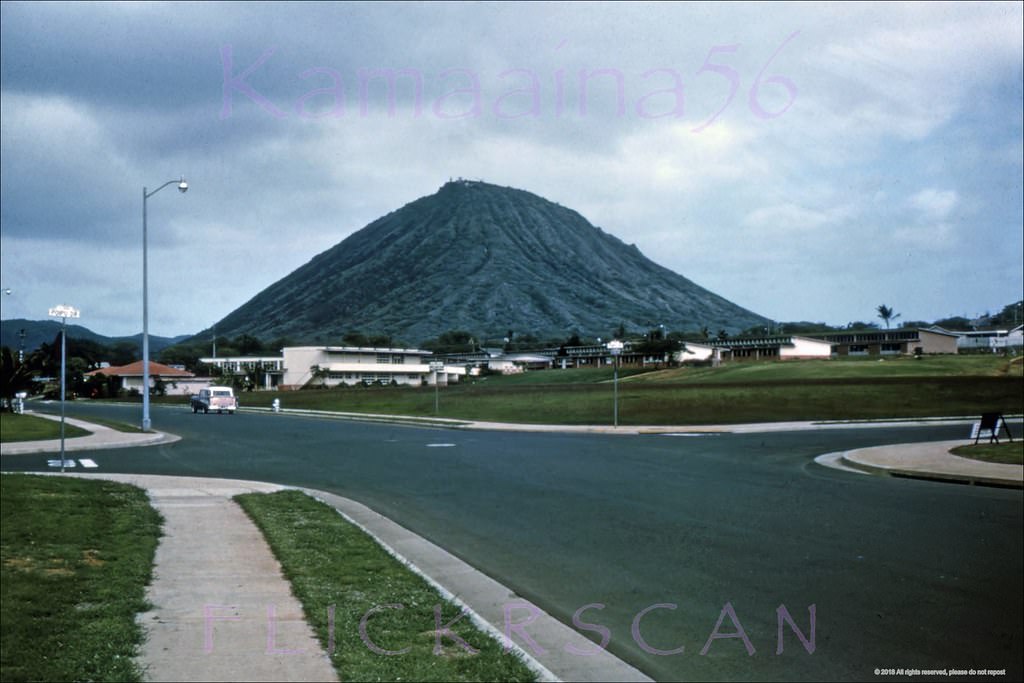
<point>933,461</point>
<point>487,600</point>
<point>630,430</point>
<point>102,437</point>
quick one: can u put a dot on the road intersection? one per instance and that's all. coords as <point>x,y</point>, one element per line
<point>899,573</point>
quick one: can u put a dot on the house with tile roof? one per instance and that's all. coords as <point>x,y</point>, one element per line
<point>176,382</point>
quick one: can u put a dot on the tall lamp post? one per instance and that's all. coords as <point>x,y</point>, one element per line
<point>182,187</point>
<point>615,348</point>
<point>63,312</point>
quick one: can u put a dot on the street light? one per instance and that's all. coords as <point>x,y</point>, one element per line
<point>63,312</point>
<point>615,348</point>
<point>182,187</point>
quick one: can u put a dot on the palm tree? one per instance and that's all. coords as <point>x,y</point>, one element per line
<point>887,314</point>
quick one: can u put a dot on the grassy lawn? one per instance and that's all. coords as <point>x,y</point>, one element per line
<point>75,558</point>
<point>662,403</point>
<point>740,392</point>
<point>331,562</point>
<point>1005,453</point>
<point>31,428</point>
<point>861,368</point>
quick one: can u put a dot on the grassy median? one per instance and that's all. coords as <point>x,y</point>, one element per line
<point>75,558</point>
<point>1006,453</point>
<point>334,567</point>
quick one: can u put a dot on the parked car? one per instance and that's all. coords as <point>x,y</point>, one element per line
<point>221,399</point>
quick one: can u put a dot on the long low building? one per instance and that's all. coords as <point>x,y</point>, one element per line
<point>986,340</point>
<point>904,341</point>
<point>335,365</point>
<point>776,347</point>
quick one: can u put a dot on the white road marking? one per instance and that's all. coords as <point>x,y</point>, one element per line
<point>87,462</point>
<point>57,463</point>
<point>689,434</point>
<point>440,445</point>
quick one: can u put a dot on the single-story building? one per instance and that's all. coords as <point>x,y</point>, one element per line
<point>986,340</point>
<point>597,355</point>
<point>514,363</point>
<point>776,347</point>
<point>697,352</point>
<point>176,382</point>
<point>335,365</point>
<point>905,341</point>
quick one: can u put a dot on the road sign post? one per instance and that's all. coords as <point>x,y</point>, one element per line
<point>63,312</point>
<point>615,348</point>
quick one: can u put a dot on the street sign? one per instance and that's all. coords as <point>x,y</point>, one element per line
<point>64,311</point>
<point>436,366</point>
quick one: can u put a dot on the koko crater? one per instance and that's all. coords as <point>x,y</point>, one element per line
<point>485,259</point>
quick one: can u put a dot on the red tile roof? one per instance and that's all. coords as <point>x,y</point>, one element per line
<point>135,370</point>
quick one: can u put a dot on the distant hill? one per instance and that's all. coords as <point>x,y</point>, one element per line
<point>485,259</point>
<point>38,332</point>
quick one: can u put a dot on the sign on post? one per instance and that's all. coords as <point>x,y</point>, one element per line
<point>989,426</point>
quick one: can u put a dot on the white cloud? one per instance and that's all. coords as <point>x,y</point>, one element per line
<point>791,217</point>
<point>934,204</point>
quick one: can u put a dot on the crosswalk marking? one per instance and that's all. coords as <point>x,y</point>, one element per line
<point>57,463</point>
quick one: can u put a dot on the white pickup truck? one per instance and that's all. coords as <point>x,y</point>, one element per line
<point>221,399</point>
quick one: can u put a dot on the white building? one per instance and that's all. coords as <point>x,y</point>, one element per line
<point>987,340</point>
<point>695,352</point>
<point>773,348</point>
<point>175,381</point>
<point>334,365</point>
<point>267,370</point>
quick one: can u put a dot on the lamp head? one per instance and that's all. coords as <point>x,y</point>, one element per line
<point>183,186</point>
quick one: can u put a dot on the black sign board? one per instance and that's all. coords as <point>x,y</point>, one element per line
<point>991,423</point>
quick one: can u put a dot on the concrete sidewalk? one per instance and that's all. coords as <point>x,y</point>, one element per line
<point>222,609</point>
<point>101,437</point>
<point>932,460</point>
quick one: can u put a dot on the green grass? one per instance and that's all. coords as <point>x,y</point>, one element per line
<point>1005,453</point>
<point>935,386</point>
<point>75,558</point>
<point>116,426</point>
<point>862,368</point>
<point>567,376</point>
<point>330,562</point>
<point>31,428</point>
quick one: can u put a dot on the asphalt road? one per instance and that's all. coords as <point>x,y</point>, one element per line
<point>902,573</point>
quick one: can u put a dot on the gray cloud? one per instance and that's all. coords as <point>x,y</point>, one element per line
<point>780,213</point>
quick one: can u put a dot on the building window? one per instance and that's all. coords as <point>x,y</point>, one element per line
<point>384,358</point>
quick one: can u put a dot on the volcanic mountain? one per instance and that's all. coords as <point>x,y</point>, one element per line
<point>485,259</point>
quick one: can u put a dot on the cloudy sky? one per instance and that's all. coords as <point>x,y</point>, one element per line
<point>808,162</point>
